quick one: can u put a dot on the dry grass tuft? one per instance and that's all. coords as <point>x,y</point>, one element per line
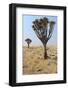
<point>34,63</point>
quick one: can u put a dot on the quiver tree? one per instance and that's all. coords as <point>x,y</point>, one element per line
<point>43,29</point>
<point>28,41</point>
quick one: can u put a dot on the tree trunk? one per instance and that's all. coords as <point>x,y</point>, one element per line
<point>28,45</point>
<point>45,52</point>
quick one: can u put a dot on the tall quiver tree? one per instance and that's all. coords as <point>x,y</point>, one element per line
<point>43,29</point>
<point>28,41</point>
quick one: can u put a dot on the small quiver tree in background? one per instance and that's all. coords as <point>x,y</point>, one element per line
<point>43,29</point>
<point>28,41</point>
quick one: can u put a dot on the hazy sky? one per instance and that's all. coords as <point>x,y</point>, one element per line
<point>29,33</point>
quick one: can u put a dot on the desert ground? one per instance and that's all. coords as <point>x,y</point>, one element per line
<point>34,62</point>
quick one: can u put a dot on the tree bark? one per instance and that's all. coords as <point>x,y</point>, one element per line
<point>28,45</point>
<point>45,52</point>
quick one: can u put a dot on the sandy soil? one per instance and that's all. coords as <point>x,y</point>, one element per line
<point>34,62</point>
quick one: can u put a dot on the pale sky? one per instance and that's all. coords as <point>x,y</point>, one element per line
<point>29,33</point>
